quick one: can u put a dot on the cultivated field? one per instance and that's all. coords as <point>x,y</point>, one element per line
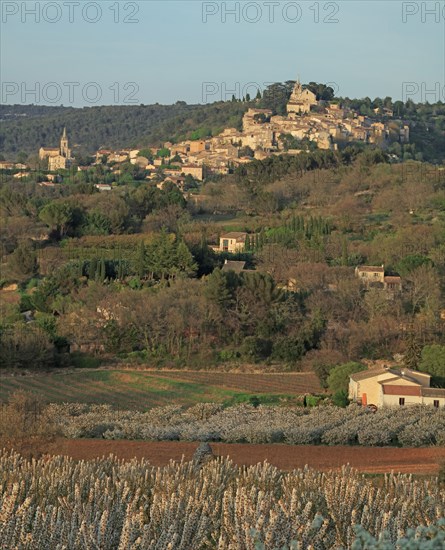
<point>416,426</point>
<point>140,389</point>
<point>373,460</point>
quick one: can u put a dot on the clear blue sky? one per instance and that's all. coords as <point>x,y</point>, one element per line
<point>171,53</point>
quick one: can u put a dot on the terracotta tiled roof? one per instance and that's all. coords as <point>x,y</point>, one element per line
<point>357,376</point>
<point>371,373</point>
<point>397,389</point>
<point>433,392</point>
<point>392,279</point>
<point>233,265</point>
<point>371,268</point>
<point>234,235</point>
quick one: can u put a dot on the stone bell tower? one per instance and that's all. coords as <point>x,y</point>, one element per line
<point>64,149</point>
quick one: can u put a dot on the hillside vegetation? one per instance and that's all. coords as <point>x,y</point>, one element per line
<point>130,272</point>
<point>26,128</point>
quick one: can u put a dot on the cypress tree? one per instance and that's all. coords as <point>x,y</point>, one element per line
<point>262,239</point>
<point>141,260</point>
<point>92,268</point>
<point>413,352</point>
<point>301,224</point>
<point>102,271</point>
<point>344,252</point>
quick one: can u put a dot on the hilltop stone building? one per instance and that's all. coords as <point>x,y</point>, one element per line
<point>301,101</point>
<point>265,133</point>
<point>59,158</point>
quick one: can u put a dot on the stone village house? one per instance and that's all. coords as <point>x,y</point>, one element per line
<point>234,241</point>
<point>375,277</point>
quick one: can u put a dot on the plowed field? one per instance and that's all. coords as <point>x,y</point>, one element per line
<point>286,457</point>
<point>143,389</point>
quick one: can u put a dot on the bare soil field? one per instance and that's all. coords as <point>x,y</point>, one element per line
<point>375,460</point>
<point>298,383</point>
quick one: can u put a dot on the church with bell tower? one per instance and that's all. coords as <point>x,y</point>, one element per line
<point>300,101</point>
<point>59,158</point>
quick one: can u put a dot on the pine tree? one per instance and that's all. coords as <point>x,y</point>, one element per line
<point>217,289</point>
<point>184,259</point>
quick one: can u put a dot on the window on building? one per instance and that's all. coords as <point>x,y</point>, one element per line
<point>436,403</point>
<point>401,400</point>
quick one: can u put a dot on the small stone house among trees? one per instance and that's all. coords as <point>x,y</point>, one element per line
<point>387,387</point>
<point>234,241</point>
<point>370,274</point>
<point>374,276</point>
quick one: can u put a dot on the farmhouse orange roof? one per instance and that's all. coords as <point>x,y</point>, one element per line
<point>398,377</point>
<point>234,235</point>
<point>392,279</point>
<point>362,375</point>
<point>396,389</point>
<point>433,392</point>
<point>372,268</point>
<point>234,265</point>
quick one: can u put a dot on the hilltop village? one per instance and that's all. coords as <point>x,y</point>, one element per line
<point>308,124</point>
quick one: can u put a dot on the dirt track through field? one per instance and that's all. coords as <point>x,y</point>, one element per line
<point>423,460</point>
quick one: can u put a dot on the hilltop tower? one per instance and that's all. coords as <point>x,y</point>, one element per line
<point>300,100</point>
